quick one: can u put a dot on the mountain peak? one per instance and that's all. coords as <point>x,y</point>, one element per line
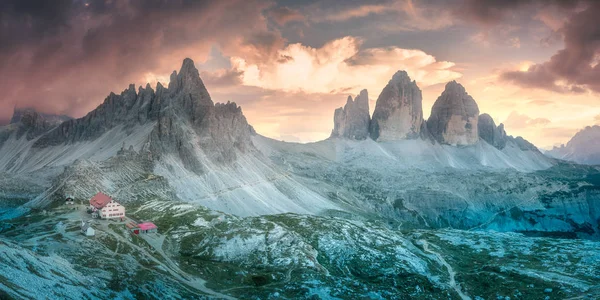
<point>352,120</point>
<point>398,112</point>
<point>188,81</point>
<point>188,63</point>
<point>454,86</point>
<point>188,71</point>
<point>454,117</point>
<point>401,76</point>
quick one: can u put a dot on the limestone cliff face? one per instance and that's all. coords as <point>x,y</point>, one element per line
<point>352,121</point>
<point>495,136</point>
<point>454,117</point>
<point>398,112</point>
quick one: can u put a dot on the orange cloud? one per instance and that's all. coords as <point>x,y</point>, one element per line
<point>340,66</point>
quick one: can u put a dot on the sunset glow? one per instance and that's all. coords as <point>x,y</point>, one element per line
<point>286,62</point>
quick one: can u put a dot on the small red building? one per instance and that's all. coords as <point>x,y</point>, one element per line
<point>146,227</point>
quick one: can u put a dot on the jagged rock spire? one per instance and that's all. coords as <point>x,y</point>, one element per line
<point>352,121</point>
<point>495,136</point>
<point>188,81</point>
<point>399,110</point>
<point>190,92</point>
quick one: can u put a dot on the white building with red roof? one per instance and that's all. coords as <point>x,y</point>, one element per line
<point>104,207</point>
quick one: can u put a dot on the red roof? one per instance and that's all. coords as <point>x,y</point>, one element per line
<point>100,200</point>
<point>147,226</point>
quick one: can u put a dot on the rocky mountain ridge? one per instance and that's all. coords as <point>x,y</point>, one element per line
<point>176,113</point>
<point>398,115</point>
<point>29,122</point>
<point>582,148</point>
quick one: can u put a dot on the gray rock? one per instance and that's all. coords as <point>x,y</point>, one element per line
<point>186,120</point>
<point>522,143</point>
<point>399,110</point>
<point>454,117</point>
<point>495,136</point>
<point>352,121</point>
<point>425,134</point>
<point>52,119</point>
<point>32,124</point>
<point>189,91</point>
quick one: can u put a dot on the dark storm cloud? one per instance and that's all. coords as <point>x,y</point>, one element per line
<point>283,15</point>
<point>576,66</point>
<point>66,56</point>
<point>491,12</point>
<point>27,19</point>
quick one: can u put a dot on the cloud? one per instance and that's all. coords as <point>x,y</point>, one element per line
<point>493,12</point>
<point>540,102</point>
<point>356,12</point>
<point>515,42</point>
<point>519,121</point>
<point>283,114</point>
<point>340,66</point>
<point>66,57</point>
<point>221,77</point>
<point>559,133</point>
<point>573,69</point>
<point>283,15</point>
<point>389,15</point>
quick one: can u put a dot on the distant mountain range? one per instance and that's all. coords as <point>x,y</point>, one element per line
<point>583,148</point>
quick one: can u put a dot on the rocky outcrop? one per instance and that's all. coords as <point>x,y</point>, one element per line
<point>495,136</point>
<point>454,117</point>
<point>523,144</point>
<point>399,110</point>
<point>31,123</point>
<point>20,113</point>
<point>352,121</point>
<point>424,134</point>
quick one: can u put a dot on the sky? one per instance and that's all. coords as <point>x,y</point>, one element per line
<point>532,65</point>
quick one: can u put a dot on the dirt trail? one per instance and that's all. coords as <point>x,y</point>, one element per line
<point>451,273</point>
